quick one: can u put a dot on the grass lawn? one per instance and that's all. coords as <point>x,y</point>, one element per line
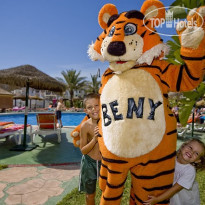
<point>200,177</point>
<point>76,198</point>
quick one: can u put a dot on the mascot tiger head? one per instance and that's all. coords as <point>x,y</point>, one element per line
<point>129,38</point>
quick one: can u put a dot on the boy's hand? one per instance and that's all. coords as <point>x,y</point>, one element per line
<point>151,201</point>
<point>96,132</point>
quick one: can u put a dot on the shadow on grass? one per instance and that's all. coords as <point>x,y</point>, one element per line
<point>51,152</point>
<point>5,146</point>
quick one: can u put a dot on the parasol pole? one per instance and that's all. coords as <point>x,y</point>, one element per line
<point>26,114</point>
<point>25,147</point>
<point>192,124</point>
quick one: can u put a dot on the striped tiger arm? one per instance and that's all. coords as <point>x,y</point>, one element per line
<point>181,78</point>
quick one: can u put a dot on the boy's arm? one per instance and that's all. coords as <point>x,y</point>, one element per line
<point>166,195</point>
<point>75,134</point>
<point>57,107</point>
<point>84,146</point>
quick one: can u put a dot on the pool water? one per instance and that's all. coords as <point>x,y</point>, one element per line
<point>68,119</point>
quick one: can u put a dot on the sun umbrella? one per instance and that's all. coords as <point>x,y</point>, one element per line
<point>35,97</point>
<point>29,76</point>
<point>23,97</point>
<point>19,97</point>
<point>6,99</point>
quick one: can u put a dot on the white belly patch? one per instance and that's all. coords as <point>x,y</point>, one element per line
<point>133,121</point>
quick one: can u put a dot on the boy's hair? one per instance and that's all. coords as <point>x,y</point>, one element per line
<point>200,165</point>
<point>90,96</point>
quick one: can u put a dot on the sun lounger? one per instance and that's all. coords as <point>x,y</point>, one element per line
<point>15,130</point>
<point>2,124</point>
<point>199,127</point>
<point>17,109</point>
<point>181,131</point>
<point>47,124</point>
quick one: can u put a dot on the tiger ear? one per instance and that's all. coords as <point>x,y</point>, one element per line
<point>153,9</point>
<point>105,13</point>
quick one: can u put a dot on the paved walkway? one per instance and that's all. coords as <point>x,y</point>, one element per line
<point>37,185</point>
<point>42,176</point>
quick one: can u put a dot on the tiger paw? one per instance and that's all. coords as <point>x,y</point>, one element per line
<point>192,32</point>
<point>76,137</point>
<point>76,141</point>
<point>75,134</point>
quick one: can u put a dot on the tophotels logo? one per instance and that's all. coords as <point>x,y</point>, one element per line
<point>167,26</point>
<point>169,18</point>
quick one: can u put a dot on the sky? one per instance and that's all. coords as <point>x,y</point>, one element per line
<point>53,35</point>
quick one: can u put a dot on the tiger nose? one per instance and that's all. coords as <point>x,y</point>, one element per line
<point>116,48</point>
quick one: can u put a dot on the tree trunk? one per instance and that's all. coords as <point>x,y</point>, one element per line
<point>71,99</point>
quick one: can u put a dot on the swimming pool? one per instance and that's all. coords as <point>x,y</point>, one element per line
<point>68,119</point>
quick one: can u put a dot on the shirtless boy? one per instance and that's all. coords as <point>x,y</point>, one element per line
<point>59,108</point>
<point>91,159</point>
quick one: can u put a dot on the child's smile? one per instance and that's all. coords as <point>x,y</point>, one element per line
<point>190,153</point>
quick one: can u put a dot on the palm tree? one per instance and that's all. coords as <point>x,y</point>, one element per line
<point>187,4</point>
<point>189,101</point>
<point>74,82</point>
<point>94,85</point>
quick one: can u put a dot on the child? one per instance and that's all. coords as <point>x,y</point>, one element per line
<point>90,163</point>
<point>59,108</point>
<point>185,189</point>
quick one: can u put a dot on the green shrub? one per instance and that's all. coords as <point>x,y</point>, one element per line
<point>3,166</point>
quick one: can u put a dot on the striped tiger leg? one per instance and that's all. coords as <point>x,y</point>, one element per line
<point>132,196</point>
<point>103,176</point>
<point>112,180</point>
<point>152,178</point>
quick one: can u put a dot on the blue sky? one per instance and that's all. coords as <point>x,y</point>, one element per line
<point>53,35</point>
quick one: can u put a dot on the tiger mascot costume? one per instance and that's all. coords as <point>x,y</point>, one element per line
<point>137,125</point>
